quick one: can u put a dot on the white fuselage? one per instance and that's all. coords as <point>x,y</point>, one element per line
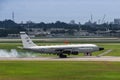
<point>81,48</point>
<point>60,50</point>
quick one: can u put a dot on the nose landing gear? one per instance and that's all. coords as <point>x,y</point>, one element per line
<point>88,54</point>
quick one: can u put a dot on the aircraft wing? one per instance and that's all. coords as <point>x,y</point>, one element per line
<point>67,51</point>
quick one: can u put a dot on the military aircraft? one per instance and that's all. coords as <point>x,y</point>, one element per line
<point>61,50</point>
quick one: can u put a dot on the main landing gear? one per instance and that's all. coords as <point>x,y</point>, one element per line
<point>62,56</point>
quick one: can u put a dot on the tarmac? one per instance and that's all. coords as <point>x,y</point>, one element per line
<point>88,58</point>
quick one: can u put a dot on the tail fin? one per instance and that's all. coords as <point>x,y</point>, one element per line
<point>27,42</point>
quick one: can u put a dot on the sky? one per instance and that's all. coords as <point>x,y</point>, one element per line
<point>62,10</point>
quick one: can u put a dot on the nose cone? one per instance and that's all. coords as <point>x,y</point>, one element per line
<point>100,49</point>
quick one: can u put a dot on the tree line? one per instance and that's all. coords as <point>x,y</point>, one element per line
<point>11,27</point>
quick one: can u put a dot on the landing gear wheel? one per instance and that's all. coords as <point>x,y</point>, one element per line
<point>88,54</point>
<point>62,56</point>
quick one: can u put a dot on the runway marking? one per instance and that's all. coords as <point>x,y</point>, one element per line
<point>104,53</point>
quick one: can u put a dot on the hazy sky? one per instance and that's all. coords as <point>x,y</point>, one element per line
<point>63,10</point>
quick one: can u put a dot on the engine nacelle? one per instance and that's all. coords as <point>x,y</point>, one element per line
<point>71,52</point>
<point>67,52</point>
<point>74,53</point>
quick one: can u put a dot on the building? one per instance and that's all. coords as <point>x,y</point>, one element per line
<point>116,21</point>
<point>37,31</point>
<point>81,33</point>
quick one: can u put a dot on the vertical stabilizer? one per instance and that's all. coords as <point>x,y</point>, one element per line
<point>27,42</point>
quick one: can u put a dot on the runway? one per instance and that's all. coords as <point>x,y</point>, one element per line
<point>93,58</point>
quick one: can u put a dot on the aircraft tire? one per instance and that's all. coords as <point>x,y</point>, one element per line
<point>62,56</point>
